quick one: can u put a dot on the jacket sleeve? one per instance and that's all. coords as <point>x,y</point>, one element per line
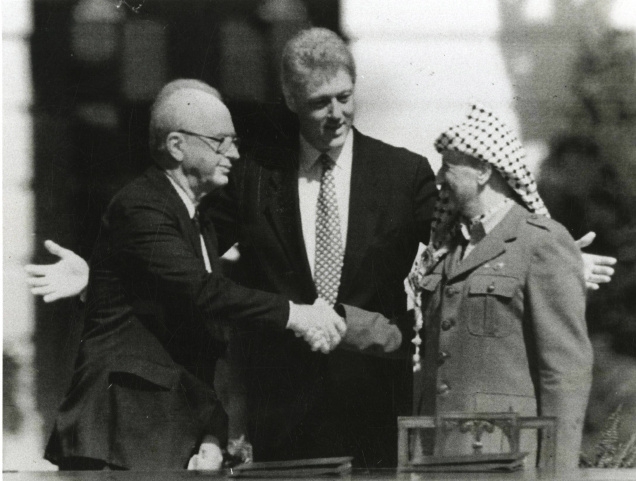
<point>368,332</point>
<point>149,242</point>
<point>425,195</point>
<point>556,295</point>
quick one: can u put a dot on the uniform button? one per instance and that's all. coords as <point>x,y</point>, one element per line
<point>451,291</point>
<point>447,324</point>
<point>442,356</point>
<point>490,288</point>
<point>443,388</point>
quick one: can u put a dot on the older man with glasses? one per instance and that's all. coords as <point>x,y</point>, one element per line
<point>157,305</point>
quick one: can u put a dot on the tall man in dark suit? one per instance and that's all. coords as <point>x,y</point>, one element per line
<point>280,207</point>
<point>141,395</point>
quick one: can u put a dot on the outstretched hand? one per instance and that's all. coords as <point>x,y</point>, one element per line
<point>597,268</point>
<point>66,278</point>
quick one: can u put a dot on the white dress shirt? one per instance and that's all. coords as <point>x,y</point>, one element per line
<point>309,174</point>
<point>192,209</point>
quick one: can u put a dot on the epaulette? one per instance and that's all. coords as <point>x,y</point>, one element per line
<point>539,221</point>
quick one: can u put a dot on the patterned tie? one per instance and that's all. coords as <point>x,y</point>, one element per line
<point>196,220</point>
<point>329,251</point>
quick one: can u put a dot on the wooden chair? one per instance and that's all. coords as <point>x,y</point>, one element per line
<point>413,431</point>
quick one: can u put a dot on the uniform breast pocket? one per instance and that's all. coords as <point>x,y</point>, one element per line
<point>489,305</point>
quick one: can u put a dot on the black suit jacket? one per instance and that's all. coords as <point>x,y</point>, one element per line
<point>141,396</point>
<point>307,403</point>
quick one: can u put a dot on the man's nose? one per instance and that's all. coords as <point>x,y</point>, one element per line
<point>335,109</point>
<point>233,153</point>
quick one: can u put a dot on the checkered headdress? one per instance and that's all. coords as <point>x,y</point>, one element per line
<point>484,137</point>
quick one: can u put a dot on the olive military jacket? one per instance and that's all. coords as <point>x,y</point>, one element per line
<point>505,329</point>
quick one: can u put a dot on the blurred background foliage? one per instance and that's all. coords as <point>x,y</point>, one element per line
<point>589,179</point>
<point>588,182</point>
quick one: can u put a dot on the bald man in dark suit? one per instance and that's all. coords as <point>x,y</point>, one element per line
<point>157,303</point>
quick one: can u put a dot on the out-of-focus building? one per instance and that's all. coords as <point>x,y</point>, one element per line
<point>421,62</point>
<point>22,421</point>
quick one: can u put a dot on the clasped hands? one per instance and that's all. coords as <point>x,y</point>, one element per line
<point>318,324</point>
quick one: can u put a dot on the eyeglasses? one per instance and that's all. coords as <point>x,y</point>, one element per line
<point>225,143</point>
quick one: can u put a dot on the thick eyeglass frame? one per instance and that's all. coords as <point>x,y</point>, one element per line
<point>221,140</point>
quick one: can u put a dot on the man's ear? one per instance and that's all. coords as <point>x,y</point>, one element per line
<point>289,99</point>
<point>174,146</point>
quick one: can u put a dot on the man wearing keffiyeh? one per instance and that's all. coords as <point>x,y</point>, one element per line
<point>500,294</point>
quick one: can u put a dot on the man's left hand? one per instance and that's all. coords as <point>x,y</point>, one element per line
<point>597,269</point>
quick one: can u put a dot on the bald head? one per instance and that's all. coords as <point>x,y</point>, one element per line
<point>196,141</point>
<point>187,83</point>
<point>188,109</point>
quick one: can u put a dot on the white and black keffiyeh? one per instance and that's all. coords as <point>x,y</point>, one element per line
<point>484,137</point>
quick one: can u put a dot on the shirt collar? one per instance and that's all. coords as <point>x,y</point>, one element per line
<point>190,205</point>
<point>309,154</point>
<point>480,226</point>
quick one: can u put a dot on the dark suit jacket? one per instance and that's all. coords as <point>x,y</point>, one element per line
<point>505,331</point>
<point>141,396</point>
<point>309,404</point>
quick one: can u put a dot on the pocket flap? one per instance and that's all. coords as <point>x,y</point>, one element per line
<point>162,376</point>
<point>494,285</point>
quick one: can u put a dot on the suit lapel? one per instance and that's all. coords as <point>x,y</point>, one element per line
<point>366,170</point>
<point>211,244</point>
<point>493,245</point>
<point>452,261</point>
<point>281,208</point>
<point>161,182</point>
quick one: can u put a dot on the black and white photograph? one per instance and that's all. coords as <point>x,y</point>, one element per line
<point>305,239</point>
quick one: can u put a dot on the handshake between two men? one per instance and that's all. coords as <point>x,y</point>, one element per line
<point>324,327</point>
<point>318,324</point>
<point>321,325</point>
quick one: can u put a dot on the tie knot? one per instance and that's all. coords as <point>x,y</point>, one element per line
<point>196,219</point>
<point>326,161</point>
